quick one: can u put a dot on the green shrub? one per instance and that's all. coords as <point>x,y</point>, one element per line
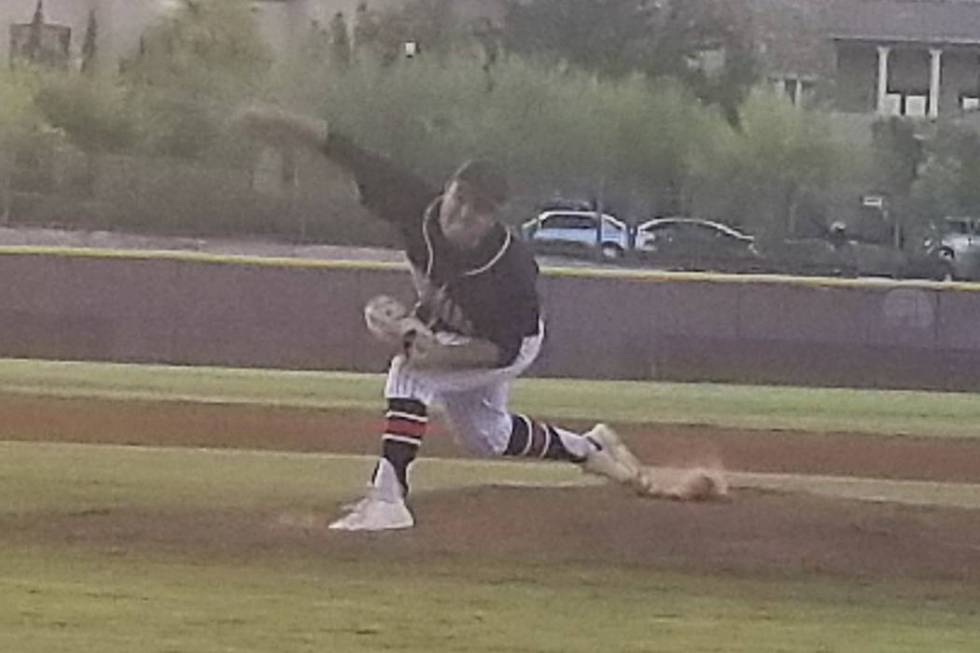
<point>550,128</point>
<point>195,66</point>
<point>758,176</point>
<point>93,111</point>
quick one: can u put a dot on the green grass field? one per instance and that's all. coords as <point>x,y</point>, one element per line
<point>65,591</point>
<point>59,596</point>
<point>754,407</point>
<point>86,602</point>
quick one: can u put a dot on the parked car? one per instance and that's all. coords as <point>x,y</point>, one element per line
<point>577,233</point>
<point>853,258</point>
<point>838,254</point>
<point>696,244</point>
<point>959,244</point>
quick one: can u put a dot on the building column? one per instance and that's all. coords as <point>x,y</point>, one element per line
<point>883,52</point>
<point>935,77</point>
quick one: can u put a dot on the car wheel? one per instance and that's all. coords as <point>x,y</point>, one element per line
<point>610,252</point>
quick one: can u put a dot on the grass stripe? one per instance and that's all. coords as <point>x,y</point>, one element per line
<point>933,414</point>
<point>439,473</point>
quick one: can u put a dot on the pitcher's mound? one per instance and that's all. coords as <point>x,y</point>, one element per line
<point>753,531</point>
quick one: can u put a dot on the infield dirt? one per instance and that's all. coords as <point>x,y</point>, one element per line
<point>756,532</point>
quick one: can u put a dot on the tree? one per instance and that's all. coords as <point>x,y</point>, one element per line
<point>897,153</point>
<point>92,112</point>
<point>759,175</point>
<point>666,38</point>
<point>549,128</point>
<point>340,46</point>
<point>90,45</point>
<point>195,65</point>
<point>489,37</point>
<point>430,24</point>
<point>946,183</point>
<point>708,45</point>
<point>317,44</point>
<point>365,28</point>
<point>35,40</point>
<point>203,44</point>
<point>606,36</point>
<point>19,120</point>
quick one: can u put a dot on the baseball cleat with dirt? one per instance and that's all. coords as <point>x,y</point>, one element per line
<point>697,484</point>
<point>373,513</point>
<point>700,484</point>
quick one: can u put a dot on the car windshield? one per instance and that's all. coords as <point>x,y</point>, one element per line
<point>569,222</point>
<point>699,230</point>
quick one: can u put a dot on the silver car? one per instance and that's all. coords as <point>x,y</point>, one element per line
<point>694,244</point>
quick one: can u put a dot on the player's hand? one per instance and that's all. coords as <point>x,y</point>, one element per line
<point>446,351</point>
<point>390,322</point>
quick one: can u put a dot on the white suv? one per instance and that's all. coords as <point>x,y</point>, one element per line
<point>577,233</point>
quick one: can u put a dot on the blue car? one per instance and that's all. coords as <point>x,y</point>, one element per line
<point>577,233</point>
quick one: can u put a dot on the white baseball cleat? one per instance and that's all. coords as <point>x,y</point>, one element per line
<point>610,458</point>
<point>372,513</point>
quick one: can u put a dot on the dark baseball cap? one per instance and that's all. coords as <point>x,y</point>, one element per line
<point>485,179</point>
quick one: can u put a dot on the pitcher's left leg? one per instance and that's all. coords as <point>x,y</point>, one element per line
<point>482,421</point>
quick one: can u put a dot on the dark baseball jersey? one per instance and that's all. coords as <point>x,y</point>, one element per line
<point>488,292</point>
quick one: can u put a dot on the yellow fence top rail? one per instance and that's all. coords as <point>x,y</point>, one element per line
<point>627,274</point>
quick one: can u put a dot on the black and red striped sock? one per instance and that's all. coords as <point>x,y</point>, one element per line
<point>405,423</point>
<point>531,438</point>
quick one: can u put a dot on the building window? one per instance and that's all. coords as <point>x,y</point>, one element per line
<point>914,104</point>
<point>893,104</point>
<point>798,90</point>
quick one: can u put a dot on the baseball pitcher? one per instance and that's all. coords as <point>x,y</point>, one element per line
<point>477,324</point>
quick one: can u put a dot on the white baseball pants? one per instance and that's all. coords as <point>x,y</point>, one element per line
<point>475,400</point>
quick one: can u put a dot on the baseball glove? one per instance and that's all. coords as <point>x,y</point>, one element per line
<point>389,321</point>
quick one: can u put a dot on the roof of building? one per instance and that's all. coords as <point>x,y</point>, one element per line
<point>923,21</point>
<point>792,36</point>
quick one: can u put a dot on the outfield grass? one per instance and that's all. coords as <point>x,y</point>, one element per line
<point>64,596</point>
<point>754,407</point>
<point>77,477</point>
<point>69,602</point>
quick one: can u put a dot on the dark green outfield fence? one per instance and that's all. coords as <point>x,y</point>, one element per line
<point>190,309</point>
